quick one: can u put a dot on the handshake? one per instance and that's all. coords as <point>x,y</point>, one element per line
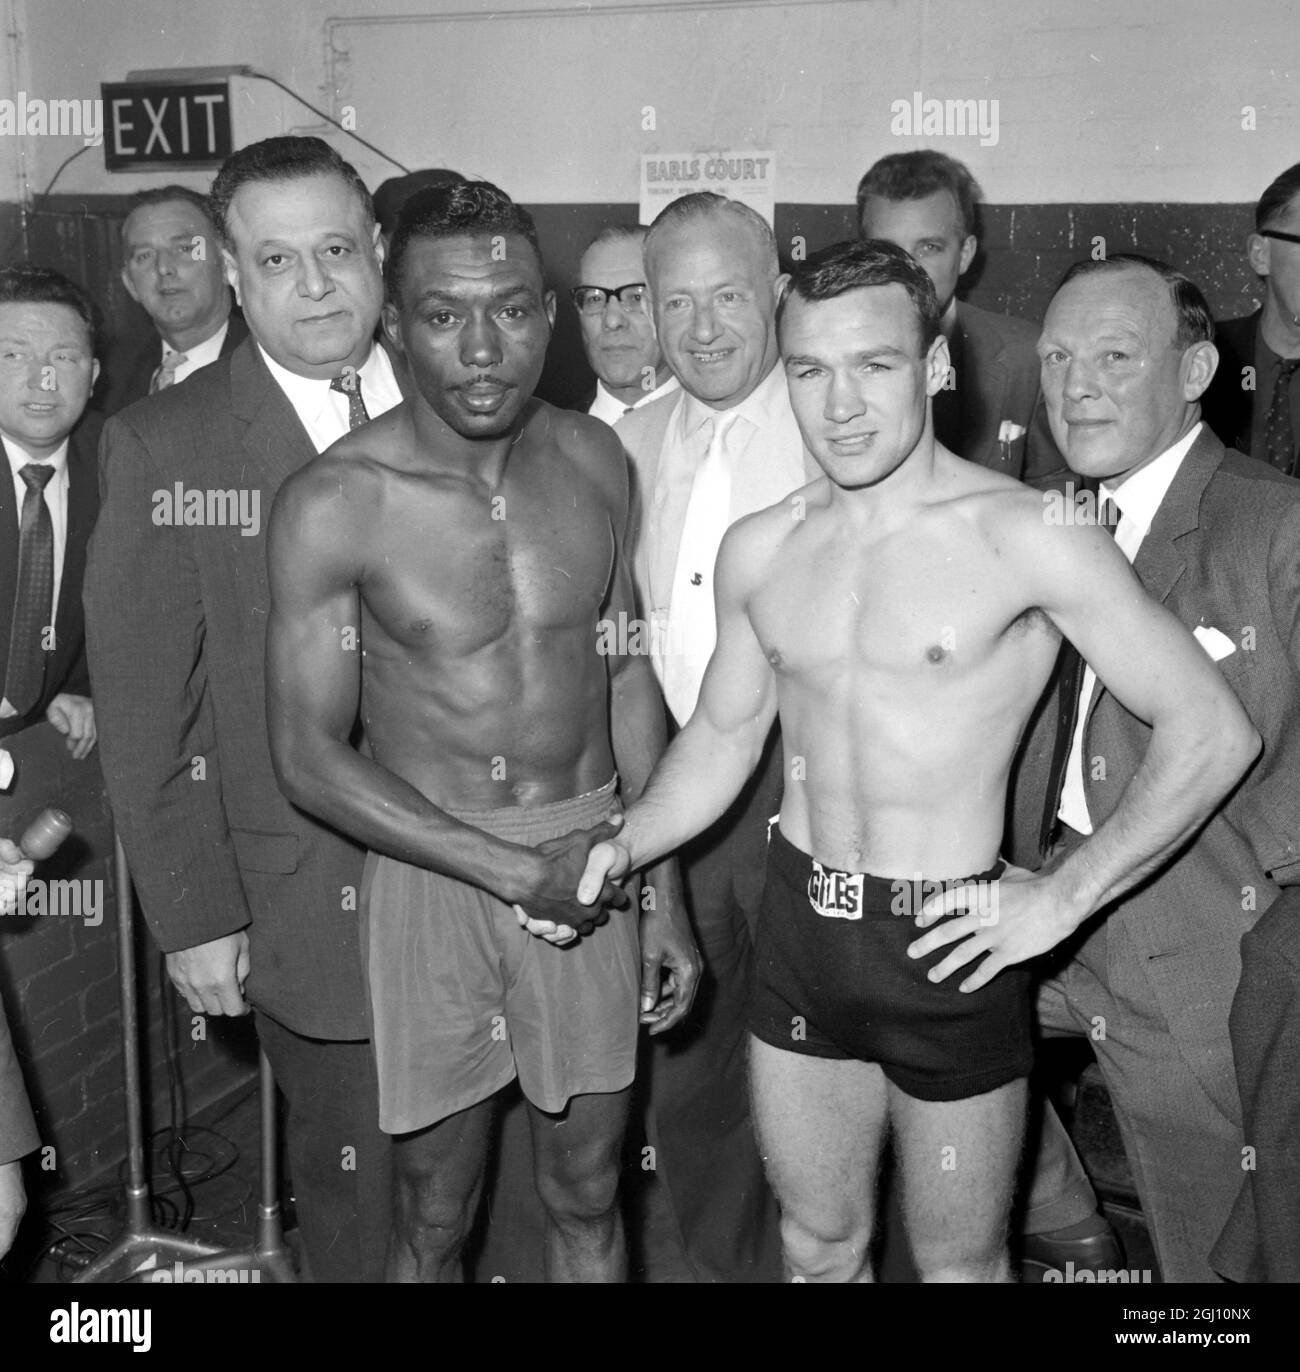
<point>574,885</point>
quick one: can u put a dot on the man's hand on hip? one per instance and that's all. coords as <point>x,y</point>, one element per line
<point>211,976</point>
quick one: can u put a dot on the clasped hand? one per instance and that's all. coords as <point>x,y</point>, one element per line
<point>551,910</point>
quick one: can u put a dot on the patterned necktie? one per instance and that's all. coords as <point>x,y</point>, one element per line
<point>692,623</point>
<point>1279,437</point>
<point>25,675</point>
<point>166,374</point>
<point>349,384</point>
<point>1070,684</point>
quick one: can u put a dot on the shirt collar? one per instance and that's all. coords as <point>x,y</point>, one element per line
<point>309,395</point>
<point>763,407</point>
<point>200,354</point>
<point>1139,497</point>
<point>19,457</point>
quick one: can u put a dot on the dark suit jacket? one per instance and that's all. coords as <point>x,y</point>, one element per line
<point>998,382</point>
<point>18,1134</point>
<point>1261,1241</point>
<point>1223,552</point>
<point>131,382</point>
<point>178,671</point>
<point>1226,406</point>
<point>66,670</point>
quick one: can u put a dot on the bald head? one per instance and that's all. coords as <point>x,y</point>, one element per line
<point>713,275</point>
<point>1126,355</point>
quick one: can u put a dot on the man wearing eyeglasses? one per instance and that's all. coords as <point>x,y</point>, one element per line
<point>617,334</point>
<point>172,270</point>
<point>1253,403</point>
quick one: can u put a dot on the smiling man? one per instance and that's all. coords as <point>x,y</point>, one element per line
<point>902,615</point>
<point>173,271</point>
<point>242,891</point>
<point>474,535</point>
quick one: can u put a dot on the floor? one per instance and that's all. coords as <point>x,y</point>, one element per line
<point>211,1171</point>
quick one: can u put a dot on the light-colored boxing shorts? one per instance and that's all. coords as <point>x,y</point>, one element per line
<point>462,999</point>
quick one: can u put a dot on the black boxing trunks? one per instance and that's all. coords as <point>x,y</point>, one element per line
<point>832,979</point>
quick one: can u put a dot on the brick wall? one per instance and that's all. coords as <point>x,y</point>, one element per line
<point>58,980</point>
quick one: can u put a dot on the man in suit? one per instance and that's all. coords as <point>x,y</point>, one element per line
<point>243,892</point>
<point>18,1134</point>
<point>48,504</point>
<point>1253,403</point>
<point>989,411</point>
<point>617,334</point>
<point>711,268</point>
<point>172,270</point>
<point>1215,537</point>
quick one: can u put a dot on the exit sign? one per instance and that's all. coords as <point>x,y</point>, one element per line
<point>157,124</point>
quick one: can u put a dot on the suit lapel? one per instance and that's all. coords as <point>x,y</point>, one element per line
<point>1160,560</point>
<point>274,443</point>
<point>83,507</point>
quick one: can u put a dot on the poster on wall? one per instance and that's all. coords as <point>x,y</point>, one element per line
<point>746,175</point>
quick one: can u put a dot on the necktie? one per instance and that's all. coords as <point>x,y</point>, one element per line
<point>166,374</point>
<point>1279,437</point>
<point>692,624</point>
<point>32,610</point>
<point>1069,686</point>
<point>349,384</point>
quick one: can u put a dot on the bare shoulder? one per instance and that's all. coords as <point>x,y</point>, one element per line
<point>751,543</point>
<point>1049,542</point>
<point>340,489</point>
<point>589,444</point>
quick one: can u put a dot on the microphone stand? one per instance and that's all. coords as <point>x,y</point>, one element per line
<point>142,1248</point>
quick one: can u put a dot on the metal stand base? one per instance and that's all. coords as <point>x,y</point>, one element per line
<point>142,1251</point>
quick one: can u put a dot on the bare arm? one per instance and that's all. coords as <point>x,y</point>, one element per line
<point>670,960</point>
<point>1201,744</point>
<point>313,688</point>
<point>710,760</point>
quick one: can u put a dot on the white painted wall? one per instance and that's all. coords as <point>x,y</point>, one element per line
<point>1098,100</point>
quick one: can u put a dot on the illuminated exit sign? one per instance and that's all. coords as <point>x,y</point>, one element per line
<point>166,123</point>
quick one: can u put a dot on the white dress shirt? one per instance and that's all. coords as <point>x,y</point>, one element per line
<point>1137,499</point>
<point>201,354</point>
<point>767,461</point>
<point>611,409</point>
<point>324,412</point>
<point>56,501</point>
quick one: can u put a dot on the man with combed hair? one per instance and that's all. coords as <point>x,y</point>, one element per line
<point>989,409</point>
<point>1253,403</point>
<point>243,892</point>
<point>172,270</point>
<point>722,447</point>
<point>617,333</point>
<point>902,614</point>
<point>475,537</point>
<point>1215,537</point>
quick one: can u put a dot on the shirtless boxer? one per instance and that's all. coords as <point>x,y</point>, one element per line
<point>443,570</point>
<point>902,614</point>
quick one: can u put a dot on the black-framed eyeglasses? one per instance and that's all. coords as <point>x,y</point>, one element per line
<point>592,299</point>
<point>1277,233</point>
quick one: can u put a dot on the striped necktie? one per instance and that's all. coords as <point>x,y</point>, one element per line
<point>165,375</point>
